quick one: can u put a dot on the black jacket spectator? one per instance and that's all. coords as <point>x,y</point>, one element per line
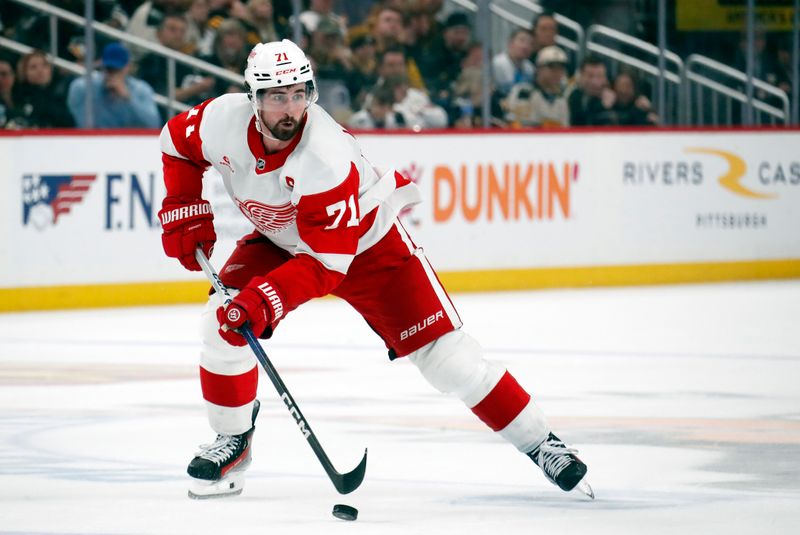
<point>442,66</point>
<point>7,81</point>
<point>364,74</point>
<point>631,108</point>
<point>40,95</point>
<point>588,110</point>
<point>590,103</point>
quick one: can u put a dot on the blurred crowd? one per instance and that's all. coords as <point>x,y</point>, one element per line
<point>379,65</point>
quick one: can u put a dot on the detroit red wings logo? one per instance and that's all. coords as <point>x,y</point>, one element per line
<point>267,218</point>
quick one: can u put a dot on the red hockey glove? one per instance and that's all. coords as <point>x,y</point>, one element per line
<point>258,303</point>
<point>187,225</point>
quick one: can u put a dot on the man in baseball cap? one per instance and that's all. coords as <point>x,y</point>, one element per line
<point>118,100</point>
<point>552,56</point>
<point>115,56</point>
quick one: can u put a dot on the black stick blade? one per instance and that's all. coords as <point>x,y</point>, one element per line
<point>347,483</point>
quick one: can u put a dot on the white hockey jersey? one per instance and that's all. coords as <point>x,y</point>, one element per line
<point>319,198</point>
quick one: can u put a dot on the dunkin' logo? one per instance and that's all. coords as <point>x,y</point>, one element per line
<point>505,191</point>
<point>268,219</point>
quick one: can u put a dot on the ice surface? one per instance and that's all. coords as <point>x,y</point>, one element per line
<point>683,400</point>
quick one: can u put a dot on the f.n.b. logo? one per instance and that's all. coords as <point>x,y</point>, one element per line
<point>46,198</point>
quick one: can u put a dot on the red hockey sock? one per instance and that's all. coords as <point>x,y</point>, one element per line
<point>502,404</point>
<point>229,390</point>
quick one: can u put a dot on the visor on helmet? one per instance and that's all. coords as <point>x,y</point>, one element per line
<point>282,97</point>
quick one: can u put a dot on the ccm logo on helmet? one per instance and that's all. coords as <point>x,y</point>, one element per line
<point>286,71</point>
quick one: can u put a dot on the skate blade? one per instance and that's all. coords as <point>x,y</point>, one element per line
<point>201,489</point>
<point>194,496</point>
<point>584,487</point>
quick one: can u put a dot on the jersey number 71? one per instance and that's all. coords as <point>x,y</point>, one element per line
<point>339,208</point>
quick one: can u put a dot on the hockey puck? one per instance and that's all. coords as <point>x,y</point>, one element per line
<point>345,512</point>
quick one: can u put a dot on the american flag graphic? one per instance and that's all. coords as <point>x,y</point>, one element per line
<point>56,192</point>
<point>268,219</point>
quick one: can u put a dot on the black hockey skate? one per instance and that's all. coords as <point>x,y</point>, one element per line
<point>561,466</point>
<point>217,471</point>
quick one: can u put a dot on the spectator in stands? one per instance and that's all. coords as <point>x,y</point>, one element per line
<point>118,99</point>
<point>591,102</point>
<point>199,35</point>
<point>545,31</point>
<point>394,60</point>
<point>377,112</point>
<point>355,12</point>
<point>222,10</point>
<point>232,10</point>
<point>146,19</point>
<point>421,30</point>
<point>332,59</point>
<point>543,103</point>
<point>318,10</point>
<point>41,95</point>
<point>513,66</point>
<point>388,32</point>
<point>332,63</point>
<point>443,65</point>
<point>230,52</point>
<point>190,88</point>
<point>7,79</point>
<point>364,74</point>
<point>415,106</point>
<point>630,106</point>
<point>765,65</point>
<point>261,21</point>
<point>388,29</point>
<point>466,104</point>
<point>783,78</point>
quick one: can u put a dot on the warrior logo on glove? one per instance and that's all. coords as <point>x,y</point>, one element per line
<point>187,223</point>
<point>258,304</point>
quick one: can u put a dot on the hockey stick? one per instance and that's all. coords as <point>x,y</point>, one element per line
<point>344,483</point>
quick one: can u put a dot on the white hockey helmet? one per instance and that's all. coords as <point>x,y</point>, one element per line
<point>277,64</point>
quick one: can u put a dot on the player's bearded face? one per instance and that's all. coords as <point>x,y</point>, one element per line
<point>284,128</point>
<point>282,109</point>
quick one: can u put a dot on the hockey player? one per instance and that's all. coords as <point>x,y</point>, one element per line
<point>325,223</point>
